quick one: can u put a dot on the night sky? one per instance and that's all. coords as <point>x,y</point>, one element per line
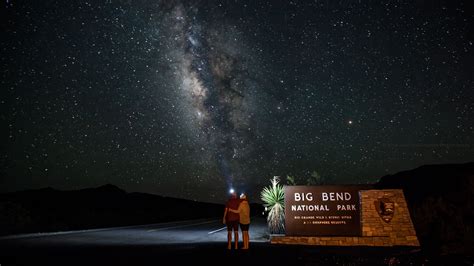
<point>188,98</point>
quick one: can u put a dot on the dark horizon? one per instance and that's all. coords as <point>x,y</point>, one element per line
<point>188,98</point>
<point>458,169</point>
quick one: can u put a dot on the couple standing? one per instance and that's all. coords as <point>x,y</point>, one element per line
<point>237,211</point>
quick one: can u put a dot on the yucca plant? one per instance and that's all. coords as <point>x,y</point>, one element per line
<point>274,200</point>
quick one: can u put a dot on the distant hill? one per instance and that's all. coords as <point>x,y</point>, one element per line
<point>49,209</point>
<point>441,203</point>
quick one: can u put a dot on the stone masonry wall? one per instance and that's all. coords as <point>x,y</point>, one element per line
<point>399,231</point>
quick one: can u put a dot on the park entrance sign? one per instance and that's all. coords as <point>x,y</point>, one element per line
<point>322,211</point>
<point>346,216</point>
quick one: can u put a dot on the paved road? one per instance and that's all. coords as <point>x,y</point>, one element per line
<point>195,242</point>
<point>124,245</point>
<point>184,232</point>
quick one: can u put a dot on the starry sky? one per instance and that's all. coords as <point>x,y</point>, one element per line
<point>189,98</point>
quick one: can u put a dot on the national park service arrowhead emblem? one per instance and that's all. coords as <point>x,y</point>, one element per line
<point>385,208</point>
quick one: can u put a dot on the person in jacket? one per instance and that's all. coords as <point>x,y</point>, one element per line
<point>244,219</point>
<point>231,219</point>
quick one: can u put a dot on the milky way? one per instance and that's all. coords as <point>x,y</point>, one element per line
<point>216,88</point>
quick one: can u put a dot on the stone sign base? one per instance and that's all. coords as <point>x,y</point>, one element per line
<point>385,221</point>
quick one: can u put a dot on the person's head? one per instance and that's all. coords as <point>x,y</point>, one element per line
<point>243,196</point>
<point>233,195</point>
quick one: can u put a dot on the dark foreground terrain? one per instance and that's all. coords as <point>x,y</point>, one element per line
<point>196,242</point>
<point>216,254</point>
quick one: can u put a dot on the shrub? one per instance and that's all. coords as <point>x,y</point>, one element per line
<point>274,199</point>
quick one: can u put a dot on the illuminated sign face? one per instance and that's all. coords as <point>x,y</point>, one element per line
<point>322,211</point>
